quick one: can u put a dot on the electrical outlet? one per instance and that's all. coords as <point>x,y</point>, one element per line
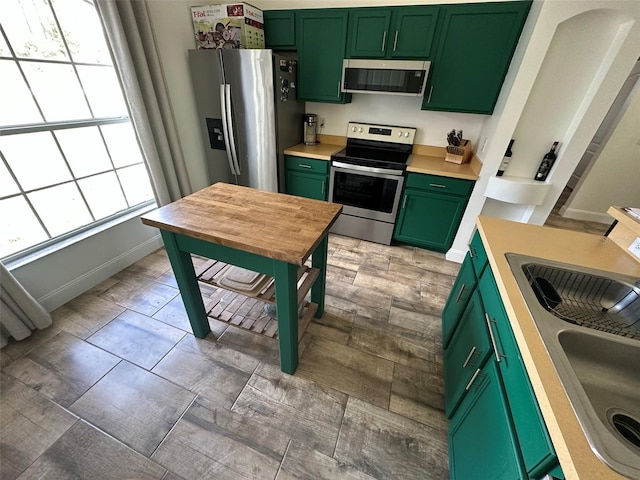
<point>635,247</point>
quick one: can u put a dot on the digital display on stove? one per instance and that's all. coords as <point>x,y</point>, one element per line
<point>380,131</point>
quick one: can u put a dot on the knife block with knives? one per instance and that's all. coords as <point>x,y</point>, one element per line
<point>459,153</point>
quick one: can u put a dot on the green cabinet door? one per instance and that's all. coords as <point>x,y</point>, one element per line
<point>466,353</point>
<point>429,219</point>
<point>310,185</point>
<point>413,32</point>
<point>280,29</point>
<point>535,444</point>
<point>368,32</point>
<point>475,47</point>
<point>482,444</point>
<point>462,290</point>
<point>321,40</point>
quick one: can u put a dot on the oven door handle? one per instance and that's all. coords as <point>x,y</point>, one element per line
<point>362,168</point>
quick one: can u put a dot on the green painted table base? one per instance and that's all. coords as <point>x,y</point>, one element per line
<point>179,249</point>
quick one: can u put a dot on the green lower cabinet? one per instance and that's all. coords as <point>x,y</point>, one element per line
<point>482,443</point>
<point>535,444</point>
<point>466,353</point>
<point>306,177</point>
<point>431,210</point>
<point>461,292</point>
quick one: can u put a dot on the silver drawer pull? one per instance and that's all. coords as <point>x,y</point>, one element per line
<point>323,187</point>
<point>395,41</point>
<point>460,292</point>
<point>384,41</point>
<point>493,339</point>
<point>473,379</point>
<point>466,362</point>
<point>304,166</point>
<point>437,185</point>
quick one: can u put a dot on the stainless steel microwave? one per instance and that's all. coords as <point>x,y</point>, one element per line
<point>389,77</point>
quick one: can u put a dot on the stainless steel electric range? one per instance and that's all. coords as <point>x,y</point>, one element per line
<point>367,178</point>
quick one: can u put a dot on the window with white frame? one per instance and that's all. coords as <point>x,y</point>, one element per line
<point>69,157</point>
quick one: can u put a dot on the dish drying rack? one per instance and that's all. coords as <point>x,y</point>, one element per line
<point>588,301</point>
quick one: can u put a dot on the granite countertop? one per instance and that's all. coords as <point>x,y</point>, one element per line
<point>500,236</point>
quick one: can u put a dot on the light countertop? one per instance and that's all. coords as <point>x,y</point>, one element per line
<point>594,251</point>
<point>424,159</point>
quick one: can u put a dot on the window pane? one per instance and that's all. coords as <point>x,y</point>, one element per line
<point>84,150</point>
<point>135,182</point>
<point>103,194</point>
<point>103,91</point>
<point>19,228</point>
<point>4,49</point>
<point>31,29</point>
<point>7,185</point>
<point>17,102</point>
<point>61,208</point>
<point>57,90</point>
<point>80,24</point>
<point>122,144</point>
<point>35,159</point>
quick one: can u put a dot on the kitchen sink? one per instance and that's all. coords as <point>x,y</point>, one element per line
<point>589,321</point>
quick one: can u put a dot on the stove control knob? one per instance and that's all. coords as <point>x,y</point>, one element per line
<point>399,134</point>
<point>360,130</point>
<point>406,134</point>
<point>353,129</point>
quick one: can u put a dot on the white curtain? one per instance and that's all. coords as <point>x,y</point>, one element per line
<point>130,35</point>
<point>19,311</point>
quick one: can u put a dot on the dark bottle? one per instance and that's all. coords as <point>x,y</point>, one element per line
<point>505,161</point>
<point>546,164</point>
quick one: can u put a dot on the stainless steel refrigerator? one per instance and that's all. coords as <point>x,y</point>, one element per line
<point>249,113</point>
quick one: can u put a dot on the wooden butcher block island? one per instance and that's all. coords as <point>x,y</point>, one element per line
<point>258,243</point>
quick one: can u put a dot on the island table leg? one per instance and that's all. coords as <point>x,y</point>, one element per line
<point>319,261</point>
<point>188,284</point>
<point>285,275</point>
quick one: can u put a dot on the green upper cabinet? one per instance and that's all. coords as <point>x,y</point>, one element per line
<point>280,29</point>
<point>321,39</point>
<point>402,32</point>
<point>414,29</point>
<point>473,54</point>
<point>368,32</point>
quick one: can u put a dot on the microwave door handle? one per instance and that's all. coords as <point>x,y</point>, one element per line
<point>225,129</point>
<point>234,152</point>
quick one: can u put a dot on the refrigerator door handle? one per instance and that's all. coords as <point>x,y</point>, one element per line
<point>225,129</point>
<point>234,153</point>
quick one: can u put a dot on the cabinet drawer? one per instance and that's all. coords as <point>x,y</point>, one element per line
<point>478,254</point>
<point>460,293</point>
<point>437,183</point>
<point>306,164</point>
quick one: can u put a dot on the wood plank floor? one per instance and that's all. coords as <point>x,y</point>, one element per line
<point>118,387</point>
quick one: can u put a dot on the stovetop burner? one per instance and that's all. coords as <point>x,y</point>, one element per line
<point>377,146</point>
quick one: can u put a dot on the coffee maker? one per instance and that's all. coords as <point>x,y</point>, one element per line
<point>310,129</point>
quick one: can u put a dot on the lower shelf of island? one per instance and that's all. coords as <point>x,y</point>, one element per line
<point>256,313</point>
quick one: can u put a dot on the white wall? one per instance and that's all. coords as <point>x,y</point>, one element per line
<point>614,178</point>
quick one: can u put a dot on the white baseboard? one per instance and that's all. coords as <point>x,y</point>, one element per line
<point>586,215</point>
<point>455,255</point>
<point>81,284</point>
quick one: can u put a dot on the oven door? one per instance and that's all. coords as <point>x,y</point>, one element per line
<point>366,192</point>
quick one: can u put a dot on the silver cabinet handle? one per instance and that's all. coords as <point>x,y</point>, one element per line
<point>430,92</point>
<point>460,292</point>
<point>473,379</point>
<point>472,252</point>
<point>304,165</point>
<point>437,185</point>
<point>493,339</point>
<point>395,41</point>
<point>338,90</point>
<point>466,362</point>
<point>384,41</point>
<point>323,186</point>
<point>404,202</point>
